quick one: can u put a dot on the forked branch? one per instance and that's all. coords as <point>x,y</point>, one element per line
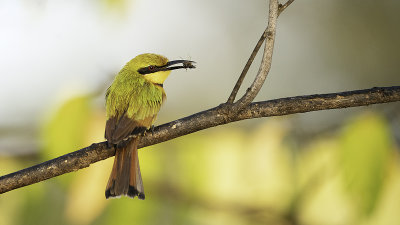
<point>268,31</point>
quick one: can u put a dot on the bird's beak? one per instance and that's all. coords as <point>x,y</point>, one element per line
<point>173,65</point>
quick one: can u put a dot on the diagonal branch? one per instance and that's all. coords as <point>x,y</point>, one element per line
<point>209,118</point>
<point>246,68</point>
<point>284,6</point>
<point>266,62</point>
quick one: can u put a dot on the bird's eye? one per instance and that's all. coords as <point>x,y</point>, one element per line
<point>151,67</point>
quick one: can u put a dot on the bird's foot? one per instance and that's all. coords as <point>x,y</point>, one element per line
<point>151,129</point>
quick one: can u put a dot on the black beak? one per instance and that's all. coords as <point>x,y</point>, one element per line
<point>186,64</point>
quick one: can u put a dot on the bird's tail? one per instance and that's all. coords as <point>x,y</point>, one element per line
<point>125,178</point>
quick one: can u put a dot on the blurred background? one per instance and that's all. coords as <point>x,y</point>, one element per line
<point>331,167</point>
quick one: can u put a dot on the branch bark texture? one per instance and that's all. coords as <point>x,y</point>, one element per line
<point>209,118</point>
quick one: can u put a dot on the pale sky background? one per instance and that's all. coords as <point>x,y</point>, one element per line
<point>52,50</point>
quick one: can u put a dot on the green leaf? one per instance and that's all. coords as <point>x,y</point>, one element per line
<point>364,154</point>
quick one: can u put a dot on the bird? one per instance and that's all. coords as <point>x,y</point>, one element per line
<point>132,104</point>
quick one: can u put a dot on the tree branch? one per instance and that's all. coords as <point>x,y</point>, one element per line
<point>284,6</point>
<point>209,118</point>
<point>266,62</point>
<point>246,68</point>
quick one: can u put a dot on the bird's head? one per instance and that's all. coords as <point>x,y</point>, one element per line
<point>156,68</point>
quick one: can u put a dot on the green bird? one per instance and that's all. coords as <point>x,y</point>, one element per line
<point>132,103</point>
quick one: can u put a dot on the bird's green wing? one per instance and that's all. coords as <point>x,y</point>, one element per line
<point>133,112</point>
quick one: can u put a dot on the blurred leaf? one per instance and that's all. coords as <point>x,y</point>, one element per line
<point>216,167</point>
<point>66,130</point>
<point>267,170</point>
<point>320,197</point>
<point>388,208</point>
<point>114,3</point>
<point>183,164</point>
<point>42,204</point>
<point>10,202</point>
<point>9,165</point>
<point>130,211</point>
<point>364,155</point>
<point>85,199</point>
<point>118,7</point>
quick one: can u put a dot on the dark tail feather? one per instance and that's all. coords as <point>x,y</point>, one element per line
<point>125,178</point>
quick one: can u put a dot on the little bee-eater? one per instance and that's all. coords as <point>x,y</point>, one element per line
<point>132,103</point>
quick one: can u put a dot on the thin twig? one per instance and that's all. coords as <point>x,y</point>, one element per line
<point>284,6</point>
<point>210,118</point>
<point>247,67</point>
<point>263,71</point>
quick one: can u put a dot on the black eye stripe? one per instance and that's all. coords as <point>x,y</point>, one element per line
<point>149,69</point>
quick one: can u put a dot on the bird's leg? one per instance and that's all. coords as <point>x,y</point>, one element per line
<point>144,131</point>
<point>151,129</point>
